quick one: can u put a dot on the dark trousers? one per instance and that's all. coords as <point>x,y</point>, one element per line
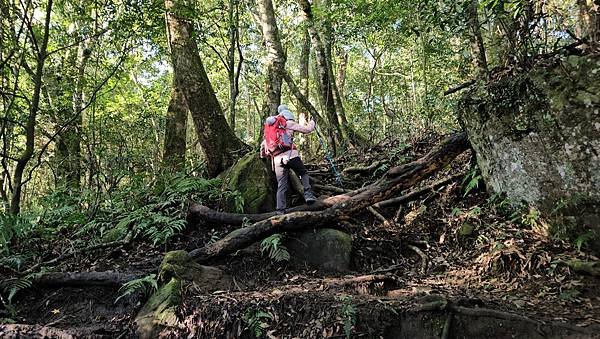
<point>282,168</point>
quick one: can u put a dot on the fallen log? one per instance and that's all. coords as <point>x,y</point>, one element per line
<point>198,213</point>
<point>201,214</point>
<point>395,181</point>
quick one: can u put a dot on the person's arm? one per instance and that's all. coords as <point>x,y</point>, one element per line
<point>263,149</point>
<point>294,126</point>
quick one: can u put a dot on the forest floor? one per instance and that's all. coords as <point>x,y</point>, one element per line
<point>447,250</point>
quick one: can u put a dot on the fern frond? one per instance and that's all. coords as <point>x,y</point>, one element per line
<point>13,262</point>
<point>274,248</point>
<point>146,285</point>
<point>14,285</point>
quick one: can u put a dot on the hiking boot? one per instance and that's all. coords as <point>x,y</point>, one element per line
<point>309,197</point>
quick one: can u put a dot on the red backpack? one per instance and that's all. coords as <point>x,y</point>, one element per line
<point>276,139</point>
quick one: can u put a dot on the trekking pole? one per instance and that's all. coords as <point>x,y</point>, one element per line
<point>338,177</point>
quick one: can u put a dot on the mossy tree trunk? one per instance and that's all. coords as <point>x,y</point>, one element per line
<point>175,131</point>
<point>218,142</point>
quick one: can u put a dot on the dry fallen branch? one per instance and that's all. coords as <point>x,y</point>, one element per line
<point>340,206</point>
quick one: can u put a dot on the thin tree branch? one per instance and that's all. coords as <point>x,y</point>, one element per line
<point>100,33</point>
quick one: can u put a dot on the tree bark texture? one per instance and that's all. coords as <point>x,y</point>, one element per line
<point>275,57</point>
<point>219,144</point>
<point>175,131</point>
<point>340,206</point>
<point>68,142</point>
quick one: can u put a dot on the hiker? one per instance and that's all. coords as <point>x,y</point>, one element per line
<point>279,145</point>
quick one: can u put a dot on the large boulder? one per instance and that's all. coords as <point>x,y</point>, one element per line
<point>326,249</point>
<point>251,177</point>
<point>537,138</point>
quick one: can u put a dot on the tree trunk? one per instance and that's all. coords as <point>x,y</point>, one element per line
<point>477,47</point>
<point>175,132</point>
<point>303,78</point>
<point>275,57</point>
<point>391,184</point>
<point>233,73</point>
<point>69,140</point>
<point>323,78</point>
<point>15,203</point>
<point>218,142</point>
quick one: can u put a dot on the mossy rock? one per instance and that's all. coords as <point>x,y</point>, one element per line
<point>252,178</point>
<point>177,270</point>
<point>160,310</point>
<point>180,265</point>
<point>536,134</point>
<point>326,249</point>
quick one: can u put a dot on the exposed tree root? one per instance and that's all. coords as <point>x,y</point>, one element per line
<point>330,188</point>
<point>86,278</point>
<point>341,206</point>
<point>380,217</point>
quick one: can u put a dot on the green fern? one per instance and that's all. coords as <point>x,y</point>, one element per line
<point>274,248</point>
<point>14,262</point>
<point>348,314</point>
<point>584,238</point>
<point>472,179</point>
<point>256,321</point>
<point>15,227</point>
<point>13,285</point>
<point>146,285</point>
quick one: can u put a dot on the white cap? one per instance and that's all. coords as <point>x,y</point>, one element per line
<point>281,108</point>
<point>287,114</point>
